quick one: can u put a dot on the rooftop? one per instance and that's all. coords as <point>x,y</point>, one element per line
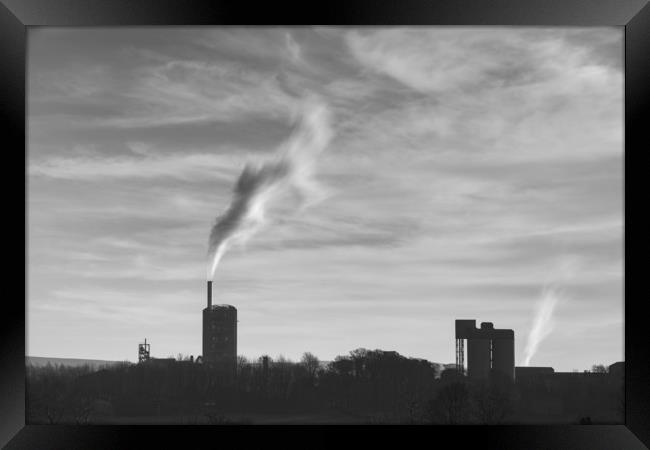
<point>221,307</point>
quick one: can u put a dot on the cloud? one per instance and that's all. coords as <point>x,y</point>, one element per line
<point>520,94</point>
<point>93,168</point>
<point>447,60</point>
<point>168,91</point>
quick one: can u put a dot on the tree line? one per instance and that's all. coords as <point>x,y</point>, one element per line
<point>371,386</point>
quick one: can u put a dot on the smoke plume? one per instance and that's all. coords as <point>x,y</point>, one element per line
<point>259,184</point>
<point>552,294</point>
<point>543,324</point>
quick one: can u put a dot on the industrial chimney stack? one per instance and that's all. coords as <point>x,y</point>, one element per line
<point>220,336</point>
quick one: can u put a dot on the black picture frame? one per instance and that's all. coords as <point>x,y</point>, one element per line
<point>17,15</point>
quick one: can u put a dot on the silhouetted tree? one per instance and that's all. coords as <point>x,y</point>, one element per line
<point>54,412</point>
<point>373,385</point>
<point>494,399</point>
<point>452,404</point>
<point>311,363</point>
<point>82,407</point>
<point>599,368</point>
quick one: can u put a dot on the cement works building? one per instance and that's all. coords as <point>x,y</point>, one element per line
<point>488,349</point>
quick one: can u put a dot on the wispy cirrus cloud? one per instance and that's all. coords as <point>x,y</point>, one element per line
<point>182,166</point>
<point>506,88</point>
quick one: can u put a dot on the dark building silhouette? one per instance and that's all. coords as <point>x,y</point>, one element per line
<point>488,349</point>
<point>582,397</point>
<point>220,335</point>
<point>525,372</point>
<point>529,376</point>
<point>617,370</point>
<point>161,362</point>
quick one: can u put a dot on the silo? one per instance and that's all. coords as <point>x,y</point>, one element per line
<point>478,357</point>
<point>503,354</point>
<point>220,335</point>
<point>488,349</point>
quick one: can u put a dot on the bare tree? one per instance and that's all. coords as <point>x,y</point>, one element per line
<point>451,406</point>
<point>493,402</point>
<point>53,414</point>
<point>599,368</point>
<point>311,364</point>
<point>82,409</point>
<point>242,362</point>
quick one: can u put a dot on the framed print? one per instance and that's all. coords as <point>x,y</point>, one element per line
<point>412,221</point>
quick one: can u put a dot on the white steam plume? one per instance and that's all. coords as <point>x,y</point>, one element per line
<point>543,324</point>
<point>290,171</point>
<point>552,294</point>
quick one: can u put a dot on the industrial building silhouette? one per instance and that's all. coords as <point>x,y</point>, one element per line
<point>219,339</point>
<point>481,354</point>
<point>488,349</point>
<point>484,386</point>
<point>220,335</point>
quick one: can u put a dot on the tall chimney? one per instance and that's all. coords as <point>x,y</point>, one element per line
<point>209,294</point>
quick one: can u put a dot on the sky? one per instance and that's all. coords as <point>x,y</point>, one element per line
<point>469,171</point>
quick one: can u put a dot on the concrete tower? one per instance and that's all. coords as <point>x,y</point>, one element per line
<point>488,349</point>
<point>220,335</point>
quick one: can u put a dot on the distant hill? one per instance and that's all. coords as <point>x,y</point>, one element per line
<point>40,361</point>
